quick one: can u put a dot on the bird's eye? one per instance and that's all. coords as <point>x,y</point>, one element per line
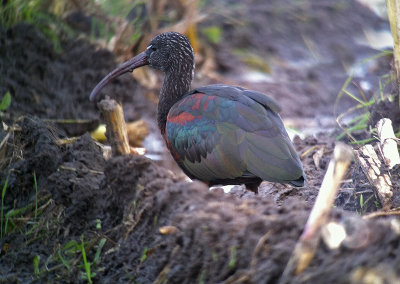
<point>151,49</point>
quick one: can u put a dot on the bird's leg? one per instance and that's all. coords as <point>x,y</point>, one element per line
<point>253,186</point>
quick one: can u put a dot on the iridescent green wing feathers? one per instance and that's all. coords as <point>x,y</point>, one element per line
<point>224,132</point>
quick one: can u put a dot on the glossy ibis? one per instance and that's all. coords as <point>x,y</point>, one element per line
<point>218,134</point>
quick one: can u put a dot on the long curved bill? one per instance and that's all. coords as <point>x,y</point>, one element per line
<point>128,66</point>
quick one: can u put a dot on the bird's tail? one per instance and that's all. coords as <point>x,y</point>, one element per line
<point>298,182</point>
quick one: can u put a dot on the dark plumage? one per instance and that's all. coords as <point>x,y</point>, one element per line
<point>218,134</point>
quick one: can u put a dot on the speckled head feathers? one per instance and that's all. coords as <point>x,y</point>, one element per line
<point>170,51</point>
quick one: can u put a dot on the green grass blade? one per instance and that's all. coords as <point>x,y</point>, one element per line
<point>98,252</point>
<point>66,264</point>
<point>71,247</point>
<point>36,261</point>
<point>85,262</point>
<point>36,193</point>
<point>3,193</point>
<point>399,97</point>
<point>6,226</point>
<point>381,89</point>
<point>363,141</point>
<point>5,102</point>
<point>144,255</point>
<point>354,97</point>
<point>232,261</point>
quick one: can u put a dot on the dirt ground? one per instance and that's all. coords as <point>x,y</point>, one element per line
<point>141,222</point>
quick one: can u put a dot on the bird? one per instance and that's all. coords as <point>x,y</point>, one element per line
<point>218,134</point>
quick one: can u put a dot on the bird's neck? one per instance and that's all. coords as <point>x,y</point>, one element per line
<point>175,86</point>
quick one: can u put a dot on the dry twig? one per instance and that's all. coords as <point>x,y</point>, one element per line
<point>382,214</point>
<point>116,129</point>
<point>372,166</point>
<point>388,142</point>
<point>308,242</point>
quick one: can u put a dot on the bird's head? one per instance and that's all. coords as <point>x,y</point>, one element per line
<point>169,52</point>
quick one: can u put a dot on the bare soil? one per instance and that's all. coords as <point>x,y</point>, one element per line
<point>157,226</point>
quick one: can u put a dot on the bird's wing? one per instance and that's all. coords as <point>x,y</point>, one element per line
<point>234,93</point>
<point>221,132</point>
